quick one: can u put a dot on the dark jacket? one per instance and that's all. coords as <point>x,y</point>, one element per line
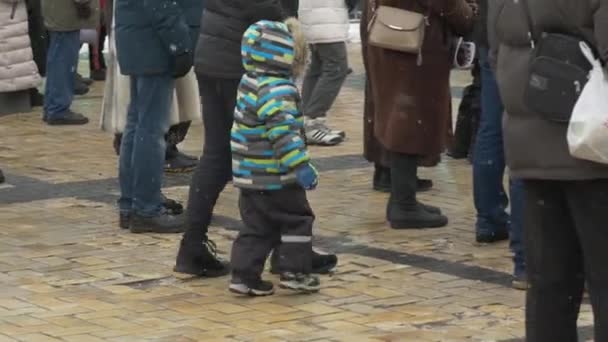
<point>222,27</point>
<point>150,33</point>
<point>536,148</point>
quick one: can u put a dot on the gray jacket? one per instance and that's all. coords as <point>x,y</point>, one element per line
<point>536,148</point>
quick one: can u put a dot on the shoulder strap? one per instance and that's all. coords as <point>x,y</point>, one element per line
<point>526,9</point>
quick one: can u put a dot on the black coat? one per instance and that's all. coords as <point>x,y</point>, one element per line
<point>223,24</point>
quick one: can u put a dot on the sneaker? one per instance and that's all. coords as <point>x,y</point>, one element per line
<point>254,289</point>
<point>492,237</point>
<point>299,282</point>
<point>67,118</point>
<point>165,223</point>
<point>200,260</point>
<point>321,263</point>
<point>520,281</point>
<point>180,164</point>
<point>317,133</point>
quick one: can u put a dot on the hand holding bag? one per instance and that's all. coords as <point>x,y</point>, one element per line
<point>397,29</point>
<point>588,128</point>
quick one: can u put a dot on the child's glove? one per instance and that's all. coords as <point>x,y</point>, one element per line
<point>83,9</point>
<point>307,176</point>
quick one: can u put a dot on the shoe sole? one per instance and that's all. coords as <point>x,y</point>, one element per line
<point>244,290</point>
<point>203,273</point>
<point>418,225</point>
<point>66,123</point>
<point>151,231</point>
<point>289,285</point>
<point>519,285</point>
<point>328,269</point>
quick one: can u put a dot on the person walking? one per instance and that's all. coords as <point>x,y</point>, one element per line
<point>565,198</point>
<point>326,25</point>
<point>64,19</point>
<point>493,223</point>
<point>271,166</point>
<point>219,68</point>
<point>18,71</point>
<point>154,47</point>
<point>412,105</point>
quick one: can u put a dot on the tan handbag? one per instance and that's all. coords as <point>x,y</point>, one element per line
<point>397,29</point>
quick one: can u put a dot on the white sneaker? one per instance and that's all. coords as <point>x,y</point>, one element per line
<point>317,133</point>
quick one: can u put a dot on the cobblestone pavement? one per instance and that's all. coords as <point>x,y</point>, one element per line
<point>68,273</point>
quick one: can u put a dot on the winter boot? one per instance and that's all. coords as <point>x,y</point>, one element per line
<point>403,210</point>
<point>200,260</point>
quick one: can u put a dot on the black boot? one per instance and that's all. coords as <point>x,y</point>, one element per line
<point>403,210</point>
<point>321,263</point>
<point>423,185</point>
<point>2,177</point>
<point>382,178</point>
<point>200,260</point>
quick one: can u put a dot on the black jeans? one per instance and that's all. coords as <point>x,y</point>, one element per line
<point>273,217</point>
<point>566,243</point>
<point>214,170</point>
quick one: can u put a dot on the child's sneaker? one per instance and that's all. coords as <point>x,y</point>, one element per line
<point>254,289</point>
<point>300,282</point>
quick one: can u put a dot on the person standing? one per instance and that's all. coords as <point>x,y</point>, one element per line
<point>154,47</point>
<point>412,105</point>
<point>326,25</point>
<point>565,198</point>
<point>493,223</point>
<point>18,71</point>
<point>64,19</point>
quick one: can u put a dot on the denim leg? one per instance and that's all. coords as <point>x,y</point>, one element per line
<point>62,59</point>
<point>489,160</point>
<point>125,166</point>
<point>154,96</point>
<point>516,235</point>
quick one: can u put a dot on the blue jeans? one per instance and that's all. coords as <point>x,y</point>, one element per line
<point>142,152</point>
<point>491,201</point>
<point>61,64</point>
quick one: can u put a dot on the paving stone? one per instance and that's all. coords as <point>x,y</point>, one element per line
<point>67,273</point>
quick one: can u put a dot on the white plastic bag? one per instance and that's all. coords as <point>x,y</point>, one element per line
<point>588,128</point>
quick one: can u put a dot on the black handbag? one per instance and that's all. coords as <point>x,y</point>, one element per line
<point>557,75</point>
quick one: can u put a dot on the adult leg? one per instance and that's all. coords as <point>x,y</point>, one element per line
<point>311,77</point>
<point>253,244</point>
<point>62,59</point>
<point>588,201</point>
<point>125,162</point>
<point>489,162</point>
<point>154,96</point>
<point>320,97</point>
<point>197,254</point>
<point>516,235</point>
<point>176,161</point>
<point>554,264</point>
<point>403,210</point>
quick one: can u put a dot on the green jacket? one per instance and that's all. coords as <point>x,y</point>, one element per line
<point>60,15</point>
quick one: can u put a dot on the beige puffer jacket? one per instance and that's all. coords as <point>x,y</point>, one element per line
<point>17,68</point>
